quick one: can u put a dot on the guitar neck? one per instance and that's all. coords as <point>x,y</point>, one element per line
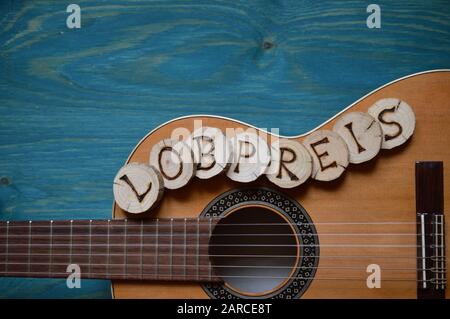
<point>160,249</point>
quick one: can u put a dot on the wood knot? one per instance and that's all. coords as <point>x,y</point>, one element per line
<point>267,45</point>
<point>4,180</point>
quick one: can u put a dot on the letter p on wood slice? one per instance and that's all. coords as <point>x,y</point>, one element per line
<point>137,188</point>
<point>251,157</point>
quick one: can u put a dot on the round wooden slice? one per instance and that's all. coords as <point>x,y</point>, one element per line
<point>137,188</point>
<point>250,159</point>
<point>363,135</point>
<point>329,153</point>
<point>290,165</point>
<point>175,162</point>
<point>212,151</point>
<point>397,121</point>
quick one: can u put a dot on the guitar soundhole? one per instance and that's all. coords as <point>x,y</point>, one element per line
<point>265,245</point>
<point>255,250</point>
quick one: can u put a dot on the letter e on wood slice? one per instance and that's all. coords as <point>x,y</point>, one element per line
<point>363,135</point>
<point>175,162</point>
<point>251,157</point>
<point>397,121</point>
<point>212,151</point>
<point>329,153</point>
<point>137,188</point>
<point>290,165</point>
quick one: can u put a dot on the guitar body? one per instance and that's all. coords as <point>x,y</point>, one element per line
<point>382,189</point>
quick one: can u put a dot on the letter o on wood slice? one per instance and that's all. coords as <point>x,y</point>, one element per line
<point>291,164</point>
<point>212,151</point>
<point>397,121</point>
<point>250,159</point>
<point>137,188</point>
<point>363,136</point>
<point>175,162</point>
<point>329,154</point>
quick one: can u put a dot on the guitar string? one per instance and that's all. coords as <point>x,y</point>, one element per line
<point>363,267</point>
<point>152,223</point>
<point>237,245</point>
<point>241,256</point>
<point>200,278</point>
<point>224,235</point>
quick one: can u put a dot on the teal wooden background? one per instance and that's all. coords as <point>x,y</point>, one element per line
<point>73,103</point>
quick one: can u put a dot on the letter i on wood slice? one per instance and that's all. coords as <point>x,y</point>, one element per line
<point>137,188</point>
<point>397,121</point>
<point>175,162</point>
<point>329,153</point>
<point>290,165</point>
<point>251,157</point>
<point>363,135</point>
<point>212,151</point>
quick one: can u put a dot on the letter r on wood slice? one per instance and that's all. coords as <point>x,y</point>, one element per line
<point>362,133</point>
<point>290,165</point>
<point>137,188</point>
<point>329,153</point>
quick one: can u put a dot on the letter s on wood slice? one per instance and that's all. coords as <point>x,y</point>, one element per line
<point>251,157</point>
<point>291,164</point>
<point>212,151</point>
<point>175,162</point>
<point>363,135</point>
<point>397,121</point>
<point>329,153</point>
<point>137,188</point>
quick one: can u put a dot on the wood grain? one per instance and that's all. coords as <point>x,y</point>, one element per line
<point>84,97</point>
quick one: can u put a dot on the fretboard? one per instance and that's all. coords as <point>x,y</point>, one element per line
<point>159,249</point>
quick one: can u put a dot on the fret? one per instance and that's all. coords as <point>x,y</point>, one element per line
<point>125,248</point>
<point>7,247</point>
<point>198,248</point>
<point>71,238</point>
<point>171,249</point>
<point>141,248</point>
<point>184,250</point>
<point>209,261</point>
<point>107,247</point>
<point>90,247</point>
<point>157,249</point>
<point>117,257</point>
<point>50,248</point>
<point>29,246</point>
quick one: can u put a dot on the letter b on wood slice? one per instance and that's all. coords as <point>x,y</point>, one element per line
<point>137,188</point>
<point>175,162</point>
<point>212,151</point>
<point>291,164</point>
<point>363,135</point>
<point>397,121</point>
<point>329,153</point>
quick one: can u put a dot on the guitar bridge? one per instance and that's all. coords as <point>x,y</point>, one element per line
<point>431,263</point>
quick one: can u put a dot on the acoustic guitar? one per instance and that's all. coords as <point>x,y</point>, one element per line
<point>352,209</point>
